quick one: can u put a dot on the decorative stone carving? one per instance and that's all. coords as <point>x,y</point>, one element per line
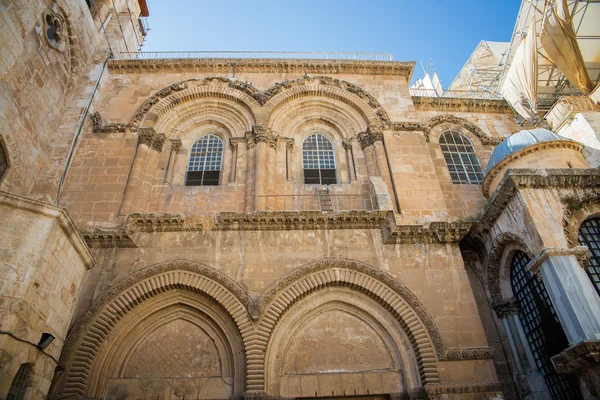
<point>103,238</point>
<point>468,125</point>
<point>175,145</point>
<point>289,142</point>
<point>169,222</point>
<point>347,143</point>
<point>577,209</point>
<point>478,353</point>
<point>436,232</point>
<point>155,98</point>
<point>151,139</point>
<point>461,105</point>
<point>506,308</point>
<point>435,390</point>
<point>373,134</point>
<point>584,355</point>
<point>99,126</point>
<point>263,134</point>
<point>581,252</point>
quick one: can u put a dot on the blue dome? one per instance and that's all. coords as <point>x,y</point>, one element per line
<point>518,141</point>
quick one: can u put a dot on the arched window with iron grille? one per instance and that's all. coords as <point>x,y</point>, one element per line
<point>460,157</point>
<point>19,383</point>
<point>318,160</point>
<point>205,163</point>
<point>589,235</point>
<point>542,328</point>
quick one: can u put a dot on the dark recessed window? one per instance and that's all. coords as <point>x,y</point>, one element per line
<point>318,160</point>
<point>206,159</point>
<point>589,235</point>
<point>3,161</point>
<point>460,158</point>
<point>19,383</point>
<point>542,328</point>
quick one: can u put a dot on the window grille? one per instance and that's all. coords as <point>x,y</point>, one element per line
<point>206,159</point>
<point>318,160</point>
<point>589,235</point>
<point>19,383</point>
<point>542,328</point>
<point>460,158</point>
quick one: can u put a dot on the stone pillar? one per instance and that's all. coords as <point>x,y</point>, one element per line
<point>250,153</point>
<point>264,140</point>
<point>147,139</point>
<point>175,147</point>
<point>234,153</point>
<point>350,159</point>
<point>144,190</point>
<point>289,144</point>
<point>572,293</point>
<point>366,144</point>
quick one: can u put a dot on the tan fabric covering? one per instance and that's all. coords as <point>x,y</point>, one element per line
<point>559,41</point>
<point>521,80</point>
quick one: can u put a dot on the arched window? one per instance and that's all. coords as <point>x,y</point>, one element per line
<point>542,328</point>
<point>19,383</point>
<point>318,160</point>
<point>206,159</point>
<point>460,158</point>
<point>589,235</point>
<point>3,160</point>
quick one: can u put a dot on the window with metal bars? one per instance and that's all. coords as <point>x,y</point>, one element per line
<point>542,328</point>
<point>589,235</point>
<point>206,160</point>
<point>19,383</point>
<point>460,157</point>
<point>318,160</point>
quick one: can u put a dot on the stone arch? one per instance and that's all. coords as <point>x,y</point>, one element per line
<point>91,331</point>
<point>497,261</point>
<point>386,290</point>
<point>470,127</point>
<point>285,92</point>
<point>576,212</point>
<point>189,90</point>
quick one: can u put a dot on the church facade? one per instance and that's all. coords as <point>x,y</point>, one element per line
<point>280,228</point>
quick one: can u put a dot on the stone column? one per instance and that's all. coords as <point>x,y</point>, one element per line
<point>234,153</point>
<point>175,147</point>
<point>373,138</point>
<point>264,140</point>
<point>144,190</point>
<point>350,159</point>
<point>289,144</point>
<point>250,150</point>
<point>366,144</point>
<point>572,293</point>
<point>146,138</point>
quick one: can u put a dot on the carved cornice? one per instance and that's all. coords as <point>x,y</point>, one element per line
<point>373,134</point>
<point>581,252</point>
<point>225,66</point>
<point>460,105</point>
<point>99,126</point>
<point>436,389</point>
<point>517,179</point>
<point>468,125</point>
<point>175,145</point>
<point>476,353</point>
<point>436,232</point>
<point>168,222</point>
<point>104,238</point>
<point>152,100</point>
<point>583,355</point>
<point>555,144</point>
<point>150,138</point>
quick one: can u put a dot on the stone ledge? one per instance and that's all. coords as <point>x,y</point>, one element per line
<point>583,355</point>
<point>57,213</point>
<point>383,220</point>
<point>253,65</point>
<point>476,353</point>
<point>436,389</point>
<point>463,105</point>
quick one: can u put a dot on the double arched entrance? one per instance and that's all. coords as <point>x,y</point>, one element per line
<point>330,328</point>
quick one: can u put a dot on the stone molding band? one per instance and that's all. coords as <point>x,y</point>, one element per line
<point>581,252</point>
<point>583,355</point>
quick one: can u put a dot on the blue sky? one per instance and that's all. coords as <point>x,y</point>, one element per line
<point>446,31</point>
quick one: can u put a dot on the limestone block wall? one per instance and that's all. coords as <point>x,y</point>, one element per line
<point>43,262</point>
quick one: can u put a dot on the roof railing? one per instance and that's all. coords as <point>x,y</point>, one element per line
<point>153,55</point>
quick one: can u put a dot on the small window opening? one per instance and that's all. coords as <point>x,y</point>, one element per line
<point>569,164</point>
<point>19,383</point>
<point>3,160</point>
<point>318,160</point>
<point>205,163</point>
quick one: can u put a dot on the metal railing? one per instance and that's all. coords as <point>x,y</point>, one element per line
<point>565,107</point>
<point>153,55</point>
<point>456,94</point>
<point>311,202</point>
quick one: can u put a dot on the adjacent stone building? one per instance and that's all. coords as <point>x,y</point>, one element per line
<point>279,228</point>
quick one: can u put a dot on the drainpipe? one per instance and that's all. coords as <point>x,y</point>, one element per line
<point>84,114</point>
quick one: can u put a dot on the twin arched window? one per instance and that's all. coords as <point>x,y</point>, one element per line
<point>318,160</point>
<point>206,161</point>
<point>542,328</point>
<point>460,158</point>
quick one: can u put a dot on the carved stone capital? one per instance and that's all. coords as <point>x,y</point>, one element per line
<point>476,353</point>
<point>583,355</point>
<point>261,133</point>
<point>373,134</point>
<point>175,145</point>
<point>365,139</point>
<point>99,126</point>
<point>506,308</point>
<point>235,142</point>
<point>150,138</point>
<point>347,143</point>
<point>289,142</point>
<point>581,252</point>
